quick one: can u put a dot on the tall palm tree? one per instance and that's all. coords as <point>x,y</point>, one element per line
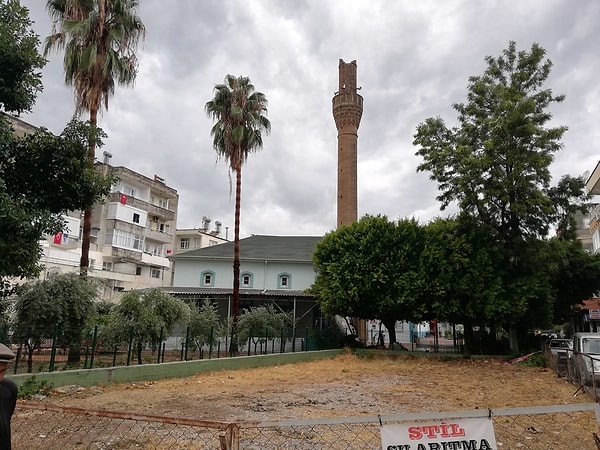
<point>99,38</point>
<point>240,120</point>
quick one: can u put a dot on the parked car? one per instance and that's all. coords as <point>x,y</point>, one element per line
<point>560,346</point>
<point>549,334</point>
<point>561,352</point>
<point>586,357</point>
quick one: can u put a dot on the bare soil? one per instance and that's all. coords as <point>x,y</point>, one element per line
<point>344,386</point>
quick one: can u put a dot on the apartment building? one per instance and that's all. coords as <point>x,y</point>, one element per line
<point>194,238</point>
<point>592,187</point>
<point>132,237</point>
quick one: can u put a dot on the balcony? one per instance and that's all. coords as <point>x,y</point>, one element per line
<point>125,254</point>
<point>158,261</point>
<point>592,185</point>
<point>153,210</point>
<point>160,236</point>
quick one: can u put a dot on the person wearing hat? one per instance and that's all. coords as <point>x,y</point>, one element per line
<point>8,397</point>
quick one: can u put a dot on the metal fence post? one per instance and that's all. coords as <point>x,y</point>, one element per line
<point>94,343</point>
<point>160,338</point>
<point>17,359</point>
<point>187,341</point>
<point>129,348</point>
<point>53,352</point>
<point>306,340</point>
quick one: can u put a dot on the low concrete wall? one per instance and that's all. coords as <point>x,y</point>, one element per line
<point>151,372</point>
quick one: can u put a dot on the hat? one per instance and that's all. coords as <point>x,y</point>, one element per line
<point>6,354</point>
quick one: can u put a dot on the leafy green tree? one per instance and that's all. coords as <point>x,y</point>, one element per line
<point>204,323</point>
<point>461,265</point>
<point>574,274</point>
<point>41,177</point>
<point>370,269</point>
<point>239,112</point>
<point>64,301</point>
<point>570,202</point>
<point>495,166</point>
<point>20,61</point>
<point>99,38</point>
<point>145,312</point>
<point>260,324</point>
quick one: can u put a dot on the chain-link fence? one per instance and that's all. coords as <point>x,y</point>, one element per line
<point>39,426</point>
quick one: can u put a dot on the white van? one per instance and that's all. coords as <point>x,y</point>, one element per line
<point>586,357</point>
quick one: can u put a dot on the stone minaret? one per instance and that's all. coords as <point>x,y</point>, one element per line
<point>347,111</point>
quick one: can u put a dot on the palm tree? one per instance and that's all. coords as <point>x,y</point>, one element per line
<point>240,115</point>
<point>99,38</point>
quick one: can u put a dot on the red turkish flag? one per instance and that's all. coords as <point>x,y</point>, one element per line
<point>123,199</point>
<point>58,238</point>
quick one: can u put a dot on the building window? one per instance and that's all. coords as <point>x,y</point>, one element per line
<point>184,243</point>
<point>154,250</point>
<point>136,218</point>
<point>128,190</point>
<point>284,281</point>
<point>246,279</point>
<point>124,239</point>
<point>107,265</point>
<point>154,272</point>
<point>138,270</point>
<point>207,278</point>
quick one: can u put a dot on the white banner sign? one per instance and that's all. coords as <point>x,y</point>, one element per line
<point>459,434</point>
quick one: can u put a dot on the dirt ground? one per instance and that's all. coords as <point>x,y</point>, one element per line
<point>344,386</point>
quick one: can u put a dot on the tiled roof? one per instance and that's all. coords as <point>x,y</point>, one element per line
<point>271,248</point>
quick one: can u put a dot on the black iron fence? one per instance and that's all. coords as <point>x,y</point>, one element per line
<point>49,355</point>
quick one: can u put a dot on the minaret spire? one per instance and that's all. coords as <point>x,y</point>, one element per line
<point>347,112</point>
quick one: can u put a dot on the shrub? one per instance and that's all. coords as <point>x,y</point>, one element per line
<point>33,387</point>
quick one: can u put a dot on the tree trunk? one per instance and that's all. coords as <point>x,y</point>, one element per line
<point>235,307</point>
<point>390,324</point>
<point>139,352</point>
<point>468,336</point>
<point>513,336</point>
<point>74,356</point>
<point>84,262</point>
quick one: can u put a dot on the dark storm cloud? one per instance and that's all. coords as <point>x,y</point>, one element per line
<point>414,60</point>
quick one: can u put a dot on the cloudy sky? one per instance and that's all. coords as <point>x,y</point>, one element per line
<point>414,59</point>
